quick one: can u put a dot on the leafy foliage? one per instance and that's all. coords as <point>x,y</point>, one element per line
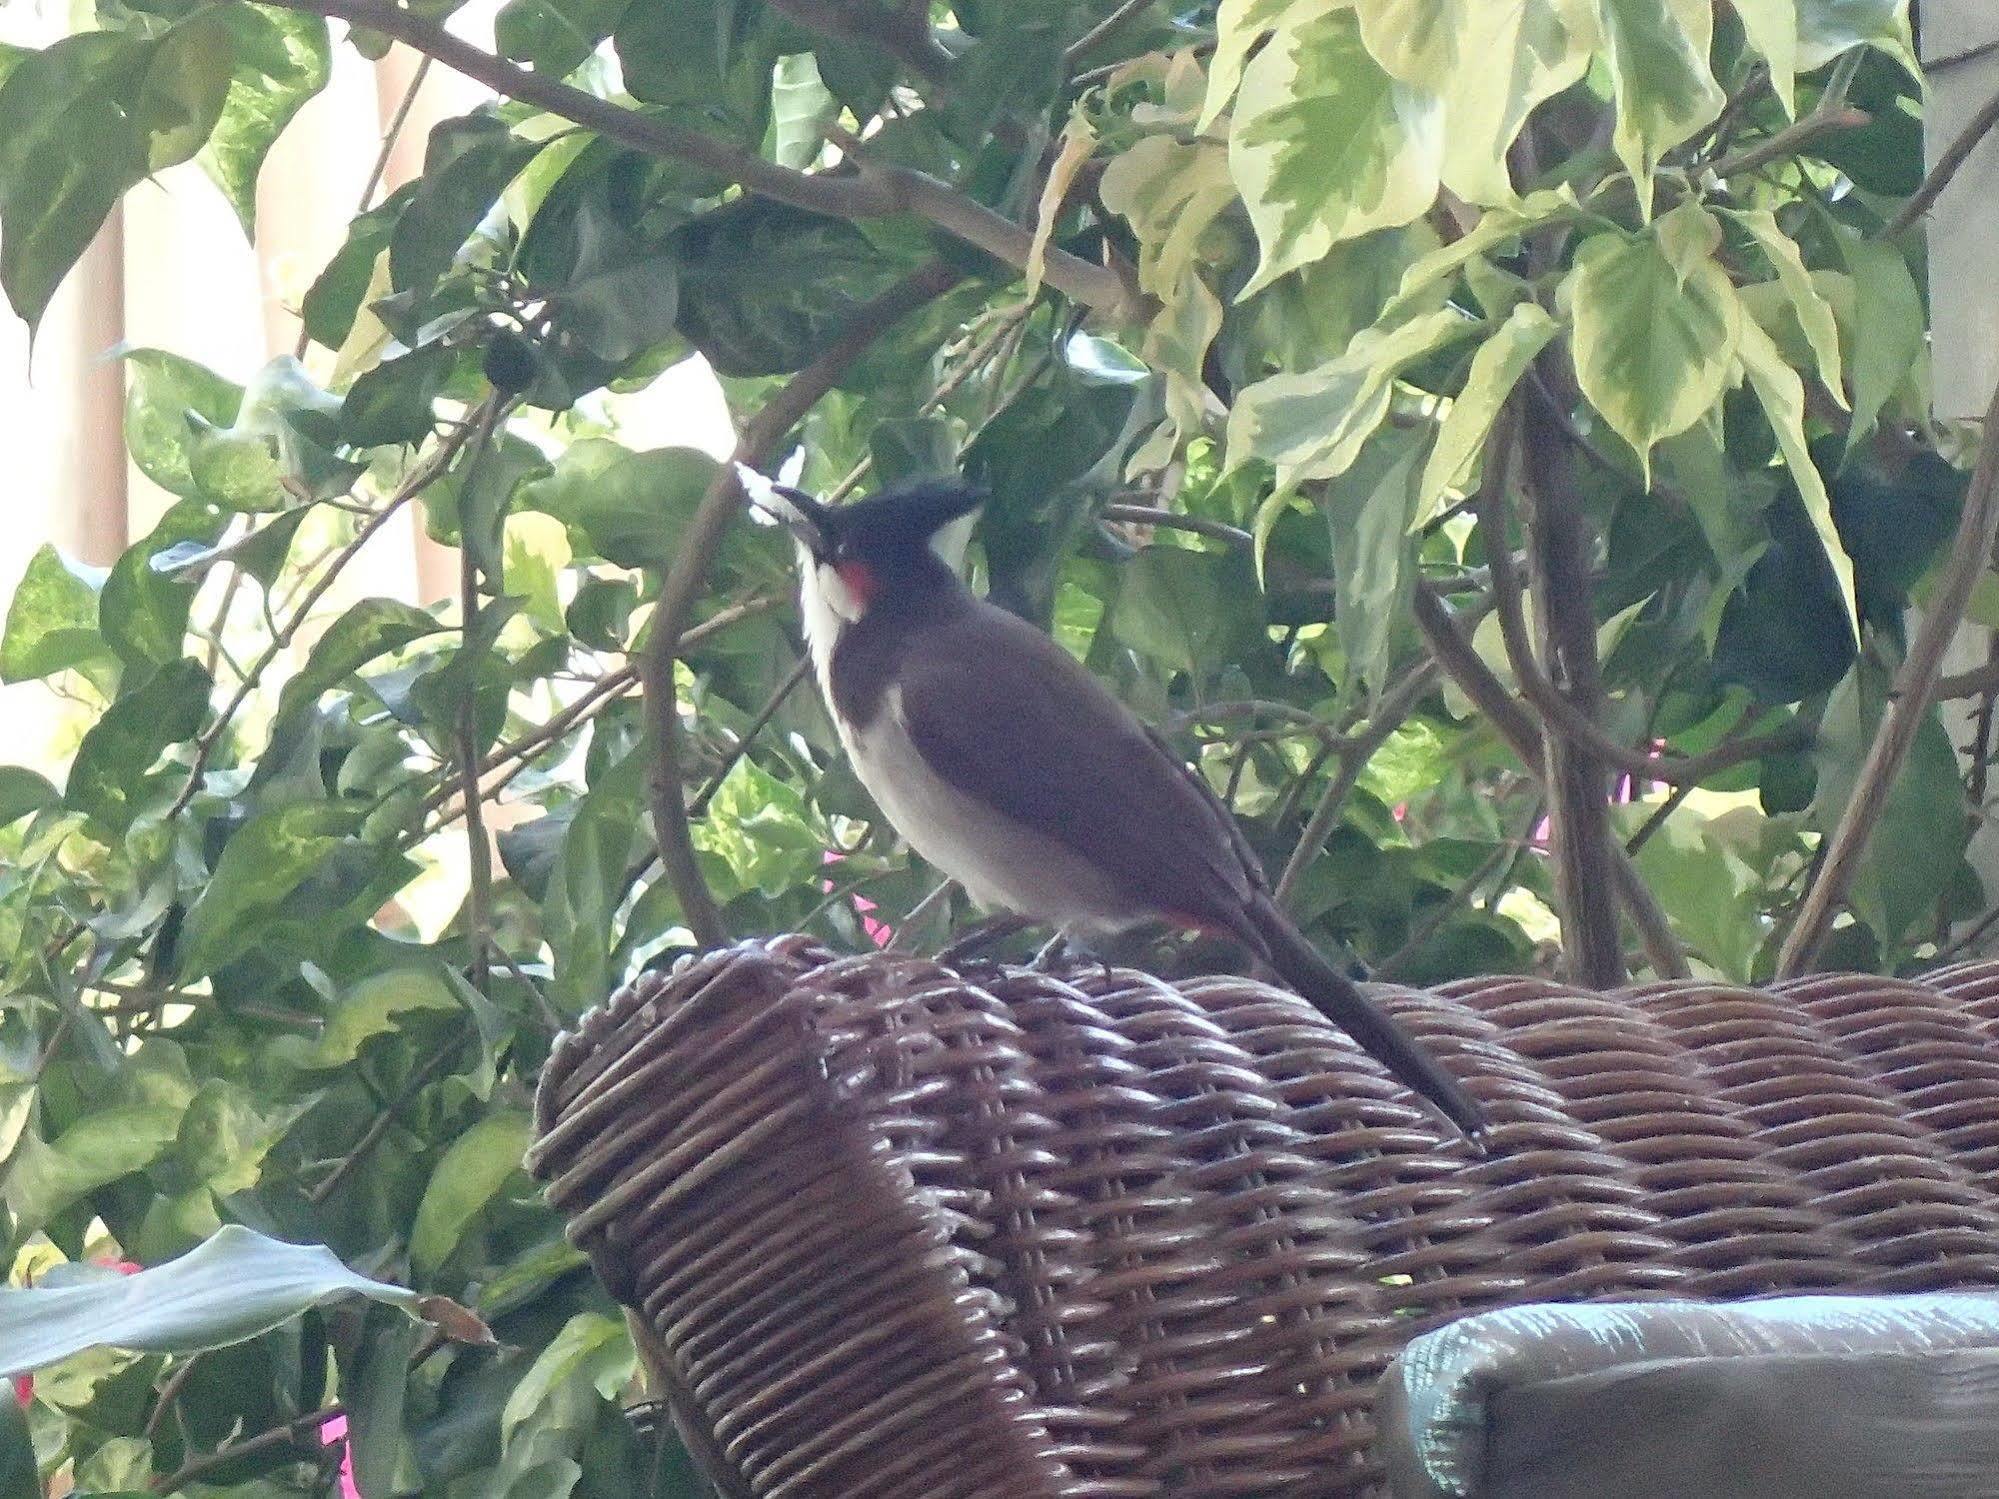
<point>1239,356</point>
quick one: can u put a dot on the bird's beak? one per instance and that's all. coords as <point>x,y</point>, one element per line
<point>794,509</point>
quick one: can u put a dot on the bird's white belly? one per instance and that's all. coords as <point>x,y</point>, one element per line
<point>999,862</point>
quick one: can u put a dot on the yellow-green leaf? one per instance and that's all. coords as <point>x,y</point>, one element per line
<point>1327,145</point>
<point>1495,369</point>
<point>1492,61</point>
<point>1312,425</point>
<point>1657,50</point>
<point>477,1165</point>
<point>1239,26</point>
<point>1815,315</point>
<point>1772,29</point>
<point>1652,354</point>
<point>1170,192</point>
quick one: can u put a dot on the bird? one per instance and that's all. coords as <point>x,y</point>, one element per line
<point>1009,767</point>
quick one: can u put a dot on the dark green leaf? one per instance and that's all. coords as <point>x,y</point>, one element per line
<point>555,36</point>
<point>108,777</point>
<point>19,1476</point>
<point>181,92</point>
<point>375,1413</point>
<point>391,403</point>
<point>588,884</point>
<point>283,58</point>
<point>372,628</point>
<point>467,165</point>
<point>479,490</point>
<point>70,150</point>
<point>764,287</point>
<point>235,1286</point>
<point>335,297</point>
<point>1925,825</point>
<point>622,297</point>
<point>51,621</point>
<point>22,791</point>
<point>44,1178</point>
<point>1185,609</point>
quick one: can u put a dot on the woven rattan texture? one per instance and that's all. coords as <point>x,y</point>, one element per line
<point>910,1234</point>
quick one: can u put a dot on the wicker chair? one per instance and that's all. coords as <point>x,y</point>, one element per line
<point>910,1233</point>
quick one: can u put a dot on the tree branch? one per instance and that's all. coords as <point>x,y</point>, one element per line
<point>1908,700</point>
<point>1831,113</point>
<point>878,192</point>
<point>1577,780</point>
<point>756,446</point>
<point>1516,726</point>
<point>286,1435</point>
<point>1954,156</point>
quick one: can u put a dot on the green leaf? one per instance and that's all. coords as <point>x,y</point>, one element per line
<point>369,630</point>
<point>1783,396</point>
<point>22,791</point>
<point>108,777</point>
<point>801,108</point>
<point>43,1179</point>
<point>1886,332</point>
<point>1709,893</point>
<point>1239,26</point>
<point>764,287</point>
<point>163,396</point>
<point>183,86</point>
<point>480,1162</point>
<point>1429,273</point>
<point>1184,608</point>
<point>279,449</point>
<point>335,297</point>
<point>590,1345</point>
<point>1490,63</point>
<point>1653,346</point>
<point>230,1289</point>
<point>369,1007</point>
<point>70,151</point>
<point>390,404</point>
<point>1772,29</point>
<point>1327,145</point>
<point>1312,425</point>
<point>223,1137</point>
<point>1924,826</point>
<point>1827,28</point>
<point>1815,315</point>
<point>51,621</point>
<point>143,608</point>
<point>628,507</point>
<point>261,864</point>
<point>1371,509</point>
<point>587,886</point>
<point>623,296</point>
<point>764,831</point>
<point>555,36</point>
<point>466,166</point>
<point>282,59</point>
<point>1657,50</point>
<point>1495,369</point>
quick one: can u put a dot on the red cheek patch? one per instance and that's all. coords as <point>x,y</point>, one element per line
<point>861,581</point>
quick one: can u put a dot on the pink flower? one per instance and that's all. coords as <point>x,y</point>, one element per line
<point>334,1431</point>
<point>879,932</point>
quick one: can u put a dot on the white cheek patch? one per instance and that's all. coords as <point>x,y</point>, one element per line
<point>950,540</point>
<point>838,596</point>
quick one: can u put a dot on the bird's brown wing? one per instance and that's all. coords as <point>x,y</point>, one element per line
<point>1035,736</point>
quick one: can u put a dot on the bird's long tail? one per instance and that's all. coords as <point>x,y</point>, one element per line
<point>1335,996</point>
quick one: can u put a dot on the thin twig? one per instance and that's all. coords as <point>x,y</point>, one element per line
<point>756,446</point>
<point>1948,164</point>
<point>1829,115</point>
<point>1657,820</point>
<point>478,852</point>
<point>380,169</point>
<point>426,474</point>
<point>1389,715</point>
<point>918,914</point>
<point>1077,50</point>
<point>1501,858</point>
<point>1150,515</point>
<point>379,1126</point>
<point>1908,702</point>
<point>880,190</point>
<point>278,1436</point>
<point>798,673</point>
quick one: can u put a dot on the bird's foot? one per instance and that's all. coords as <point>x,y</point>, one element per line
<point>1053,956</point>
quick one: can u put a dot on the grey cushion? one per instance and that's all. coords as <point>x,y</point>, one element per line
<point>1819,1397</point>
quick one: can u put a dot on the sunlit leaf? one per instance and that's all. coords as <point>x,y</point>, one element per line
<point>478,1164</point>
<point>1495,369</point>
<point>1658,50</point>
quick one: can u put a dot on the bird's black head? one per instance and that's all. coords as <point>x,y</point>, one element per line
<point>890,542</point>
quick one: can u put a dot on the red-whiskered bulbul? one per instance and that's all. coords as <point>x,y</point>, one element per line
<point>1011,769</point>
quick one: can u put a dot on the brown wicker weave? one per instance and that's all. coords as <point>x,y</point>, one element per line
<point>907,1234</point>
